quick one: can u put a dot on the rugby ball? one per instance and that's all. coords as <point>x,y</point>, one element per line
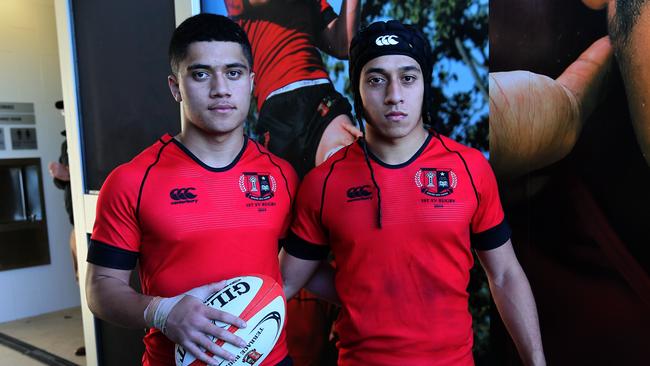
<point>259,301</point>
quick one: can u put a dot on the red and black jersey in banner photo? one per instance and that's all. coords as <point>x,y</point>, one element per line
<point>402,287</point>
<point>283,35</point>
<point>189,224</point>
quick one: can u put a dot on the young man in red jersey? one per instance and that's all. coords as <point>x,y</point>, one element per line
<point>402,210</point>
<point>194,209</point>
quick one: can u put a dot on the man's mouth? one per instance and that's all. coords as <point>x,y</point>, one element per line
<point>222,107</point>
<point>395,116</point>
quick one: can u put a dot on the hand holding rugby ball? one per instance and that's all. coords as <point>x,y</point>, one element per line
<point>259,301</point>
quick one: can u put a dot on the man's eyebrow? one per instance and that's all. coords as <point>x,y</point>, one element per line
<point>401,69</point>
<point>228,66</point>
<point>197,66</point>
<point>378,70</point>
<point>237,65</point>
<point>410,68</point>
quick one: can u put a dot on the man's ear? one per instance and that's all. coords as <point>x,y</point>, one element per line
<point>252,81</point>
<point>596,4</point>
<point>172,81</point>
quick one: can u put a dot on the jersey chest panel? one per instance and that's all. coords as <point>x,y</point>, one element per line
<point>431,198</point>
<point>174,205</point>
<point>212,225</point>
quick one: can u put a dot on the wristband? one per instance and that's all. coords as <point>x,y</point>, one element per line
<point>156,313</point>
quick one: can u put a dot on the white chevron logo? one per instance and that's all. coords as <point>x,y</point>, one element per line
<point>386,40</point>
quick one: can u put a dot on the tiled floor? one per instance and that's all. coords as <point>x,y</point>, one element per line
<point>59,333</point>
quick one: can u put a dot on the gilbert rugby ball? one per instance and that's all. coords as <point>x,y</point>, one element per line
<point>259,301</point>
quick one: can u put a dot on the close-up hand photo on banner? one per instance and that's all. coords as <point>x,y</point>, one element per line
<point>324,182</point>
<point>570,145</point>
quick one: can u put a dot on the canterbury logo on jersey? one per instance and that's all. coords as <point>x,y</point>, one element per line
<point>183,195</point>
<point>388,40</point>
<point>359,193</point>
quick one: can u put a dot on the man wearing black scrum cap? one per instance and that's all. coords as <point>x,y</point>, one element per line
<point>401,210</point>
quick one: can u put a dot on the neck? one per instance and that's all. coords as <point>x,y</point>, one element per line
<point>214,150</point>
<point>395,151</point>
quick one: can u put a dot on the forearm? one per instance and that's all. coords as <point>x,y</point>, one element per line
<point>184,319</point>
<point>339,33</point>
<point>295,272</point>
<point>321,283</point>
<point>115,301</point>
<point>516,305</point>
<point>349,22</point>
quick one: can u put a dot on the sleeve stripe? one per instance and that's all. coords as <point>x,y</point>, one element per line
<point>109,256</point>
<point>492,238</point>
<point>303,249</point>
<point>144,179</point>
<point>327,177</point>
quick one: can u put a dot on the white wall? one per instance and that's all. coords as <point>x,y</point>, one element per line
<point>29,72</point>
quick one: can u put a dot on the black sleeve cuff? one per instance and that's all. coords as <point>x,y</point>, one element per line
<point>60,184</point>
<point>302,249</point>
<point>492,238</point>
<point>109,256</point>
<point>327,16</point>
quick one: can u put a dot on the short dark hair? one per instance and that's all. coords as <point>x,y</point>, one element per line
<point>623,22</point>
<point>205,28</point>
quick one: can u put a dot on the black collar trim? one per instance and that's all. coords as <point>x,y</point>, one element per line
<point>406,163</point>
<point>206,166</point>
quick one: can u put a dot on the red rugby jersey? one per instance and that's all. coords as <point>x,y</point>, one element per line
<point>402,287</point>
<point>283,35</point>
<point>189,224</point>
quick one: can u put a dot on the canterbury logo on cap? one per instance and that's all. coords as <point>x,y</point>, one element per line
<point>386,40</point>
